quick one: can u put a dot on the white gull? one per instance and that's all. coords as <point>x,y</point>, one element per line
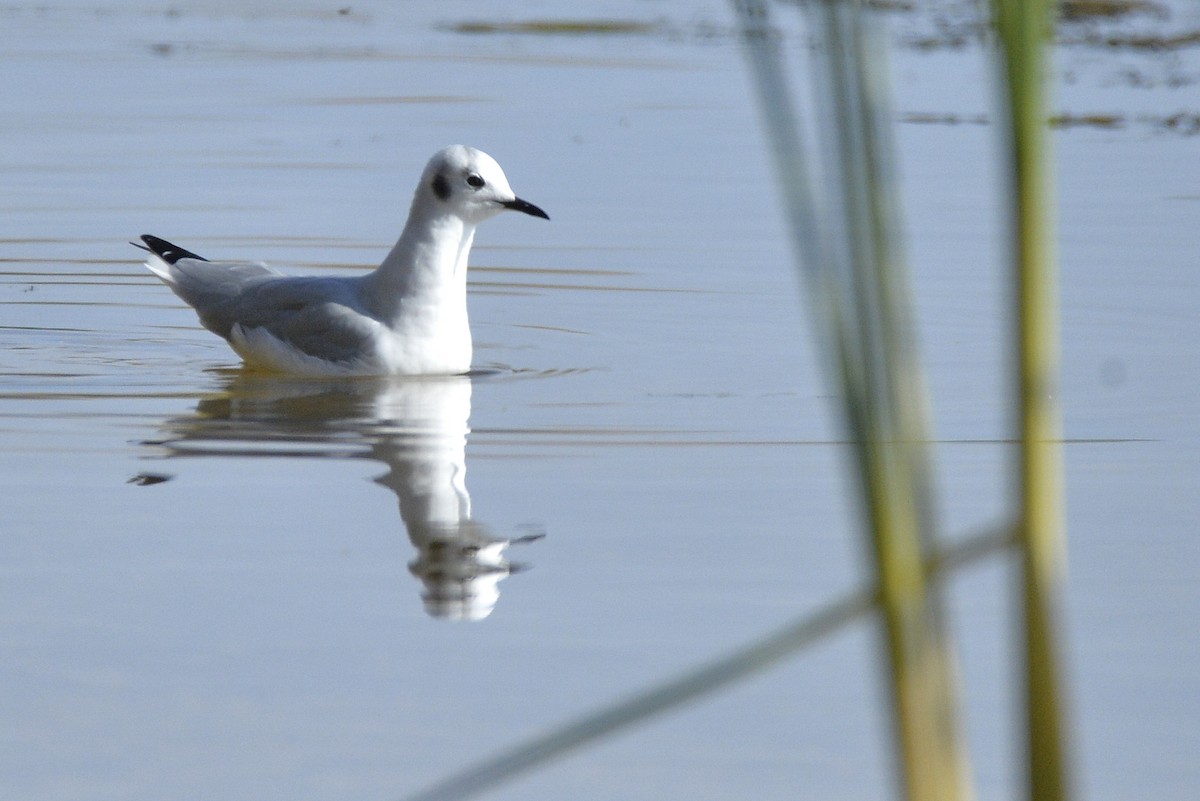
<point>406,317</point>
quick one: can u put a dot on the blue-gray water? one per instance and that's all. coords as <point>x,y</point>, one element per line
<point>250,627</point>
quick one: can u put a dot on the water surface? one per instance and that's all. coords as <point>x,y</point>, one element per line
<point>219,585</point>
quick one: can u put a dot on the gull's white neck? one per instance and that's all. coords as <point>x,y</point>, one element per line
<point>420,289</point>
<point>426,268</point>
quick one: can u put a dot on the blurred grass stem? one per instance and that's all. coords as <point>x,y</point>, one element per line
<point>1024,27</point>
<point>850,252</point>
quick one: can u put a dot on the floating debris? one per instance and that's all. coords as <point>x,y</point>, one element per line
<point>1079,10</point>
<point>1147,42</point>
<point>559,27</point>
<point>1087,121</point>
<point>1186,123</point>
<point>148,479</point>
<point>931,118</point>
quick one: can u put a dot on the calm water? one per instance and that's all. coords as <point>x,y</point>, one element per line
<point>227,587</point>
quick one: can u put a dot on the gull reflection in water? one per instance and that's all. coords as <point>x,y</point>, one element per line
<point>417,427</point>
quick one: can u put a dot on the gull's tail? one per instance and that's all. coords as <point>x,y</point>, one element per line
<point>212,288</point>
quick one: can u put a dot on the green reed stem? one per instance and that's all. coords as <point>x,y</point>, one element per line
<point>849,250</point>
<point>890,409</point>
<point>1024,26</point>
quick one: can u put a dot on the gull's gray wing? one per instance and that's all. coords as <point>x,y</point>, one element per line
<point>321,317</point>
<point>211,287</point>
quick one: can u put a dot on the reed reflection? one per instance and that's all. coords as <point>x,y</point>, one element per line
<point>417,427</point>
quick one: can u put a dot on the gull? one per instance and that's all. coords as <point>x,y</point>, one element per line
<point>406,317</point>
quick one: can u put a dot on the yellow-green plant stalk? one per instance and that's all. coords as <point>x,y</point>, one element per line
<point>1024,27</point>
<point>849,250</point>
<point>892,426</point>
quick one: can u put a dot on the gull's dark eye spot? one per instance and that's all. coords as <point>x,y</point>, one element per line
<point>475,181</point>
<point>441,187</point>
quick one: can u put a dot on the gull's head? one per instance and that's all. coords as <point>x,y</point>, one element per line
<point>469,184</point>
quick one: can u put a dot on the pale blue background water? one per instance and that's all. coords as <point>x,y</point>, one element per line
<point>249,629</point>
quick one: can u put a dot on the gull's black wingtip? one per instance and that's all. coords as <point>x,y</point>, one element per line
<point>165,250</point>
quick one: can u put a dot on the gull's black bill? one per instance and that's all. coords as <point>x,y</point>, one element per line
<point>516,204</point>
